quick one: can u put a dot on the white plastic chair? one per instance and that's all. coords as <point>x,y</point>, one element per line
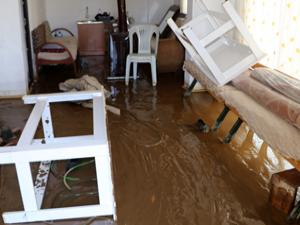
<point>148,38</point>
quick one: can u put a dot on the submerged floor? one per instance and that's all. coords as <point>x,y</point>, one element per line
<point>165,171</point>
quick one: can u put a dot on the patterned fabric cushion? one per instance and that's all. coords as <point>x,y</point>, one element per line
<point>69,42</point>
<point>53,56</point>
<point>282,83</point>
<point>210,86</point>
<point>277,103</point>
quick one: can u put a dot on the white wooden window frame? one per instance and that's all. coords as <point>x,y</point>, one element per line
<point>198,48</point>
<point>29,150</point>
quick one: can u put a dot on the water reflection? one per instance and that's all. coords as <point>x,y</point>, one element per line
<point>178,175</point>
<point>262,158</point>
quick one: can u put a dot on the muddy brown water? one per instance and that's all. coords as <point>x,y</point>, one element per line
<point>166,172</point>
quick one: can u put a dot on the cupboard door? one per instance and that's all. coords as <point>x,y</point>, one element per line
<point>93,38</point>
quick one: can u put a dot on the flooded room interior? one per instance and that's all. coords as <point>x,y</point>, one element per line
<point>150,112</point>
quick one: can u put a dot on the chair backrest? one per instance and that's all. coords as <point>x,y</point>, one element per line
<point>148,38</point>
<point>47,30</point>
<point>38,37</point>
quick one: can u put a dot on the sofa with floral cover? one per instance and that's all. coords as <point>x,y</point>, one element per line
<point>51,49</point>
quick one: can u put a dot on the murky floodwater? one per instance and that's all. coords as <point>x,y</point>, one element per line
<point>165,171</point>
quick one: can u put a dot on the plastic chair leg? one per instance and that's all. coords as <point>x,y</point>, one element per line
<point>135,67</point>
<point>154,74</point>
<point>128,62</point>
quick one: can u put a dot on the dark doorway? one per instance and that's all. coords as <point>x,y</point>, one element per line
<point>28,41</point>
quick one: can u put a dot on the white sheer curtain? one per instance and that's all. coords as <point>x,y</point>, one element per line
<point>275,25</point>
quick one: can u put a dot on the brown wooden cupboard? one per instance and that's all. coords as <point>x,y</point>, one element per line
<point>93,37</point>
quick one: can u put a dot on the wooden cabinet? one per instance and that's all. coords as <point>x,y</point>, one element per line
<point>93,37</point>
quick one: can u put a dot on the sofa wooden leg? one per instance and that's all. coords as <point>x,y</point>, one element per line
<point>233,131</point>
<point>220,119</point>
<point>188,92</point>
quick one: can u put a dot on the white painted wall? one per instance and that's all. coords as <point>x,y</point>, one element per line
<point>214,4</point>
<point>148,11</point>
<point>13,60</point>
<point>65,13</point>
<point>37,13</point>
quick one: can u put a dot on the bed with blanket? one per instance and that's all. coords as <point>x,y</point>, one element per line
<point>268,101</point>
